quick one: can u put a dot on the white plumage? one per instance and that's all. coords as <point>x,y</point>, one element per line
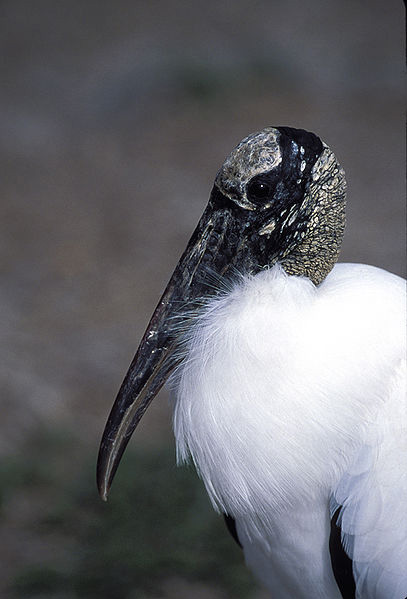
<point>291,402</point>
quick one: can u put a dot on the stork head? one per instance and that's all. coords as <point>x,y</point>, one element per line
<point>279,196</point>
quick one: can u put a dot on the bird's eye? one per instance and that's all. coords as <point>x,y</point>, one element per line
<point>258,190</point>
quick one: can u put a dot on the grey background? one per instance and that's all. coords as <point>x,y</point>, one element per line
<point>114,119</point>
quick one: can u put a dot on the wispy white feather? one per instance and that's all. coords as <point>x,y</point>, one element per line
<point>291,396</point>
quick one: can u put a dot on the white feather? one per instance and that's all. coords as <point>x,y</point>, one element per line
<point>291,396</point>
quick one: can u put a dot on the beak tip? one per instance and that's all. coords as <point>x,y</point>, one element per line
<point>103,496</point>
<point>103,476</point>
<point>103,488</point>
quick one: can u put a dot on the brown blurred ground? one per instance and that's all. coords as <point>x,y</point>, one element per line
<point>114,120</point>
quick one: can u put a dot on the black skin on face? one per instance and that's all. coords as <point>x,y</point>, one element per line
<point>274,193</point>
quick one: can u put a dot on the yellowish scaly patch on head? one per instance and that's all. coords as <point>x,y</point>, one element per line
<point>319,247</point>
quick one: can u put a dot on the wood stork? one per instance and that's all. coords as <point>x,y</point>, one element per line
<point>288,375</point>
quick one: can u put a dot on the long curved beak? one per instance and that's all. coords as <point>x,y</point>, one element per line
<point>213,247</point>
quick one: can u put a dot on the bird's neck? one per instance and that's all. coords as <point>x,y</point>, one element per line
<point>316,253</point>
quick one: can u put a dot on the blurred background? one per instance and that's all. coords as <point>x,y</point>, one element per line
<point>114,119</point>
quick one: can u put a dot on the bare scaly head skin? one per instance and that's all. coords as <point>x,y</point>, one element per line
<point>303,215</point>
<point>255,154</point>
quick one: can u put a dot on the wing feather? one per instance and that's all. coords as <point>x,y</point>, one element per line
<point>371,499</point>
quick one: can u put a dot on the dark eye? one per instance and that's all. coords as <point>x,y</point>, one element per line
<point>258,190</point>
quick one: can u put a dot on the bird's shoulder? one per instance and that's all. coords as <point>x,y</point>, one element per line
<point>356,303</point>
<point>357,279</point>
